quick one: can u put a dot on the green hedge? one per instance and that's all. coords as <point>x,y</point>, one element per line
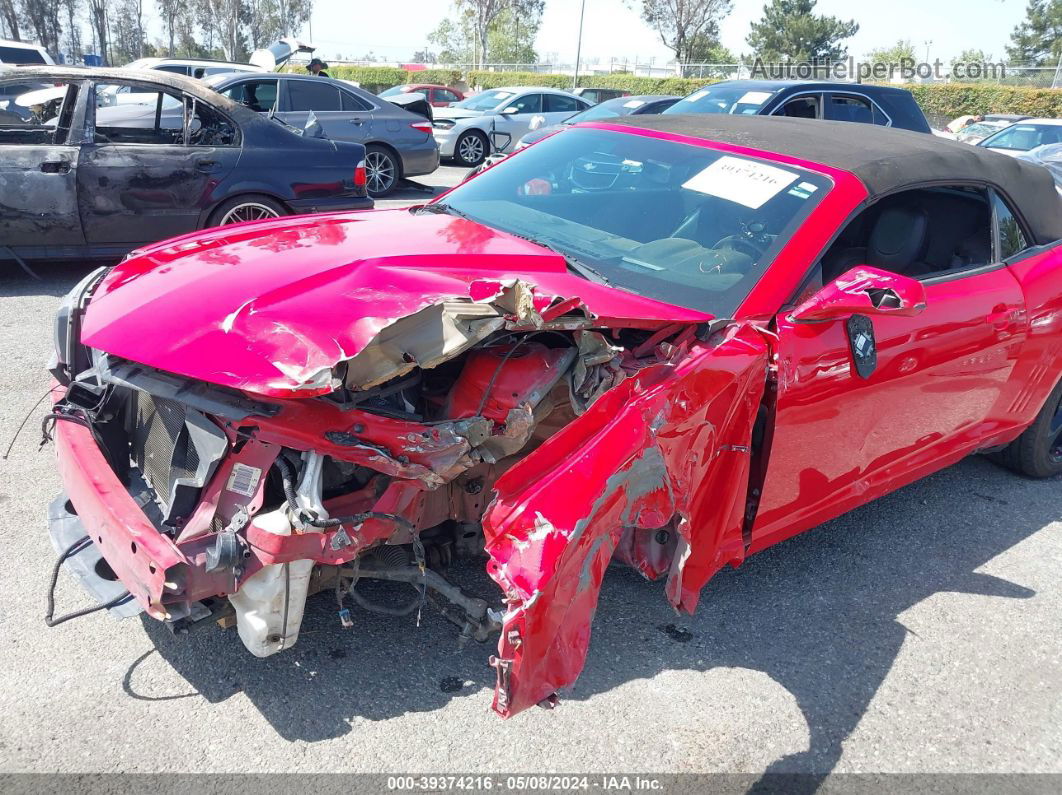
<point>371,78</point>
<point>624,82</point>
<point>939,101</point>
<point>485,80</point>
<point>946,101</point>
<point>678,86</point>
<point>436,77</point>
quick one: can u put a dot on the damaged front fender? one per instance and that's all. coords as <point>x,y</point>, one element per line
<point>667,449</point>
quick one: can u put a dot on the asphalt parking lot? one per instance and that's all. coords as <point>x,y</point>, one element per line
<point>920,633</point>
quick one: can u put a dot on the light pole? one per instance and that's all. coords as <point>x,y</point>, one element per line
<point>579,47</point>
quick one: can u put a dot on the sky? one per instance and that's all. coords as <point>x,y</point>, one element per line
<point>612,29</point>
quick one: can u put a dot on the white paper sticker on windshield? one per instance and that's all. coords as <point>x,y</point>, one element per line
<point>743,181</point>
<point>697,95</point>
<point>754,98</point>
<point>500,95</point>
<point>634,103</point>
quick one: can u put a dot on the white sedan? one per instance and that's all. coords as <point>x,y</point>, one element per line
<point>493,121</point>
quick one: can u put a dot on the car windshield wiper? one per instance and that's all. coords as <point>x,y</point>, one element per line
<point>440,208</point>
<point>588,272</point>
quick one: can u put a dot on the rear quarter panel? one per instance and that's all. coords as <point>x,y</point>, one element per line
<point>289,170</point>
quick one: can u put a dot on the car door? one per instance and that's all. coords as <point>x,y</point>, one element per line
<point>39,162</point>
<point>150,169</point>
<point>340,116</point>
<point>510,125</point>
<point>942,383</point>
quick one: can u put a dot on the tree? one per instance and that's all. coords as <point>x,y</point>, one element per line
<point>707,49</point>
<point>127,30</point>
<point>43,19</point>
<point>170,11</point>
<point>688,28</point>
<point>483,14</point>
<point>270,20</point>
<point>73,30</point>
<point>424,56</point>
<point>790,30</point>
<point>971,55</point>
<point>454,37</point>
<point>98,18</point>
<point>511,38</point>
<point>1037,41</point>
<point>898,53</point>
<point>9,19</point>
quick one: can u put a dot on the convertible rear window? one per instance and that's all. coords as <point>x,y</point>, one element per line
<point>681,223</point>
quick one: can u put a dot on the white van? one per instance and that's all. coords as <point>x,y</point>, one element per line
<point>19,52</point>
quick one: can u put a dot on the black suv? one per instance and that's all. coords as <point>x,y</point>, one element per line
<point>883,105</point>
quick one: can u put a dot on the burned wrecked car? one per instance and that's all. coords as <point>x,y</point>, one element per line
<point>665,341</point>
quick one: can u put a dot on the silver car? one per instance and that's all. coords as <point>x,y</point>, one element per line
<point>397,143</point>
<point>493,121</point>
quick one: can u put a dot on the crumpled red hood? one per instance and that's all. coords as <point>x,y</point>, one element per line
<point>258,306</point>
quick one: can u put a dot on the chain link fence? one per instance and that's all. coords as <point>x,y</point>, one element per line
<point>993,73</point>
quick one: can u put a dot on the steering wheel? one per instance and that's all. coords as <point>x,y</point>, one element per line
<point>743,244</point>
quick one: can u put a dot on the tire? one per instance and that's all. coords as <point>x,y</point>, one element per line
<point>249,207</point>
<point>1037,453</point>
<point>471,148</point>
<point>382,171</point>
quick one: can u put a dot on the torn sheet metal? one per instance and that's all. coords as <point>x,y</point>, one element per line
<point>668,446</point>
<point>236,314</point>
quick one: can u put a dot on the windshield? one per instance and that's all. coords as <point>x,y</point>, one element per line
<point>717,219</point>
<point>977,130</point>
<point>488,100</point>
<point>1023,137</point>
<point>723,98</point>
<point>393,91</point>
<point>607,110</point>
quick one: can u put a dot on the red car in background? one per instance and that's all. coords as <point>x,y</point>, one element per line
<point>438,96</point>
<point>538,367</point>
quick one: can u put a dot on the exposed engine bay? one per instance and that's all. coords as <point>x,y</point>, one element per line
<point>390,472</point>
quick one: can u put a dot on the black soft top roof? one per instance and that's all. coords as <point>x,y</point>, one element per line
<point>884,160</point>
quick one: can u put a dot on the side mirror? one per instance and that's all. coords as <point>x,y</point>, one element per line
<point>863,291</point>
<point>512,110</point>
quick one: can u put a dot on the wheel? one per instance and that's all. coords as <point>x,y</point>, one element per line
<point>1037,453</point>
<point>382,171</point>
<point>471,148</point>
<point>251,207</point>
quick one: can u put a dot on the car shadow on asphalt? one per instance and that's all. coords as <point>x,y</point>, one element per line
<point>52,278</point>
<point>817,614</point>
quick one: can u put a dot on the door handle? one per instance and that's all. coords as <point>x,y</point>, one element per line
<point>55,166</point>
<point>358,122</point>
<point>207,166</point>
<point>1005,318</point>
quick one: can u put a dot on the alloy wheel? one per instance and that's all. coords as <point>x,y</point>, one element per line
<point>379,172</point>
<point>470,148</point>
<point>250,211</point>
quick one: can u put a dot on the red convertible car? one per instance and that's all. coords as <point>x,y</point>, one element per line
<point>666,341</point>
